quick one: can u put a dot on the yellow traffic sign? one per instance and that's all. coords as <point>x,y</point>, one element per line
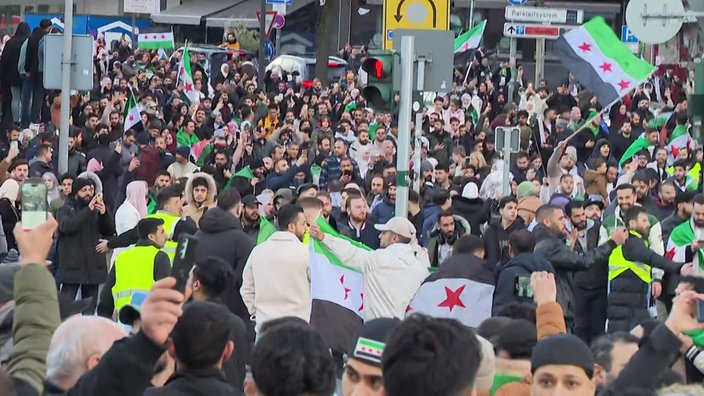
<point>414,14</point>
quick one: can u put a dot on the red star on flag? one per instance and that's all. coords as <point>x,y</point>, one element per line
<point>585,47</point>
<point>452,298</point>
<point>361,307</point>
<point>145,37</point>
<point>623,84</point>
<point>670,254</point>
<point>347,290</point>
<point>131,118</point>
<point>606,67</point>
<point>188,87</point>
<point>154,36</point>
<point>163,36</point>
<point>675,152</point>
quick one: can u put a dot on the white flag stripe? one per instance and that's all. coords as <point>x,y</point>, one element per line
<point>439,299</point>
<point>336,284</point>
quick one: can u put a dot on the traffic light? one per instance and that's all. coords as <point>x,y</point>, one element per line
<point>379,91</point>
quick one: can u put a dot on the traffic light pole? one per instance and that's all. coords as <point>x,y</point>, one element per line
<point>404,125</point>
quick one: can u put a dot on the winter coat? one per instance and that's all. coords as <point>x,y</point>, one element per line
<point>368,235</point>
<point>221,235</point>
<point>523,264</point>
<point>430,219</point>
<point>595,277</point>
<point>111,171</point>
<point>496,241</point>
<point>565,261</point>
<point>31,63</point>
<point>79,231</point>
<point>207,382</point>
<point>149,165</point>
<point>10,58</point>
<point>527,206</point>
<point>476,211</point>
<point>193,211</point>
<point>384,211</point>
<point>436,239</point>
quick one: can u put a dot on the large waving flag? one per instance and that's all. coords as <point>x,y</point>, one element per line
<point>601,62</point>
<point>638,145</point>
<point>132,115</point>
<point>457,290</point>
<point>680,139</point>
<point>337,292</point>
<point>186,77</point>
<point>681,237</point>
<point>470,39</point>
<point>156,40</point>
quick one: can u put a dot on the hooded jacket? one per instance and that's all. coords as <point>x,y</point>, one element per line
<point>596,153</point>
<point>475,211</point>
<point>221,235</point>
<point>496,241</point>
<point>523,264</point>
<point>192,210</point>
<point>11,55</point>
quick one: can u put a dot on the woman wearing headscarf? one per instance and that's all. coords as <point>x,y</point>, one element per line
<point>52,186</point>
<point>10,209</point>
<point>133,209</point>
<point>602,149</point>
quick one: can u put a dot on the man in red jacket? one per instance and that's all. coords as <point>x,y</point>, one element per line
<point>149,162</point>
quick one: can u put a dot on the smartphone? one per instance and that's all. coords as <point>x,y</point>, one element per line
<point>184,260</point>
<point>700,311</point>
<point>14,144</point>
<point>34,203</point>
<point>522,287</point>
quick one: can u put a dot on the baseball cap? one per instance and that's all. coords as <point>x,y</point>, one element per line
<point>398,225</point>
<point>249,201</point>
<point>370,341</point>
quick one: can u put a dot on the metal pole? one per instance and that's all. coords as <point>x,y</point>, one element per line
<point>133,33</point>
<point>66,63</point>
<point>471,13</point>
<point>512,65</point>
<point>262,44</point>
<point>539,53</point>
<point>278,43</point>
<point>416,151</point>
<point>404,125</point>
<point>507,161</point>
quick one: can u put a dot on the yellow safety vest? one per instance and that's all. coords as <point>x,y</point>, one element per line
<point>134,273</point>
<point>618,264</point>
<point>170,221</point>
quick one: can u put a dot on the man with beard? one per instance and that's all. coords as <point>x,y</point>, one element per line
<point>358,226</point>
<point>163,179</point>
<point>687,239</point>
<point>442,238</point>
<point>590,285</point>
<point>630,274</point>
<point>166,158</point>
<point>258,228</point>
<point>284,174</point>
<point>621,141</point>
<point>644,198</point>
<point>683,212</point>
<point>361,145</point>
<point>681,178</point>
<point>83,219</point>
<point>664,206</point>
<point>221,171</point>
<point>550,237</point>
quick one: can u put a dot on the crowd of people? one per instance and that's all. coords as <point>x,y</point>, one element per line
<point>584,279</point>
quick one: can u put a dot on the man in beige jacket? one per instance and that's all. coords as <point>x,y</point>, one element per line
<point>276,278</point>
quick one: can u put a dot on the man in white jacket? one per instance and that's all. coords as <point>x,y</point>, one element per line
<point>276,278</point>
<point>392,274</point>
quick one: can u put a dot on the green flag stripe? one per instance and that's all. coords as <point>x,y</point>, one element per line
<point>371,343</point>
<point>320,248</point>
<point>611,47</point>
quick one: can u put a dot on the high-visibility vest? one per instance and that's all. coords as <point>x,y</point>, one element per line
<point>170,222</point>
<point>134,273</point>
<point>618,264</point>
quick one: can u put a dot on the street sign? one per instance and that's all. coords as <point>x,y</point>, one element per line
<point>436,48</point>
<point>142,6</point>
<point>268,20</point>
<point>286,2</point>
<point>514,138</point>
<point>269,49</point>
<point>517,2</point>
<point>423,15</point>
<point>519,30</point>
<point>81,68</point>
<point>279,21</point>
<point>549,15</point>
<point>279,8</point>
<point>627,36</point>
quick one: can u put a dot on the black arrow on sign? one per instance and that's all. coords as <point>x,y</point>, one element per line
<point>511,29</point>
<point>398,16</point>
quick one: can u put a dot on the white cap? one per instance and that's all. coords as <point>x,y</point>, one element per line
<point>398,225</point>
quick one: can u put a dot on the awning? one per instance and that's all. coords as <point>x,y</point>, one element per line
<point>192,12</point>
<point>245,11</point>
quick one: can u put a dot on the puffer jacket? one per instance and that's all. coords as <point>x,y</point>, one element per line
<point>476,211</point>
<point>565,261</point>
<point>523,264</point>
<point>192,210</point>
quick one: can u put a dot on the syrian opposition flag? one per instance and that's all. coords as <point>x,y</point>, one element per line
<point>470,39</point>
<point>681,237</point>
<point>185,77</point>
<point>455,291</point>
<point>132,115</point>
<point>603,64</point>
<point>156,40</point>
<point>638,145</point>
<point>680,139</point>
<point>337,292</point>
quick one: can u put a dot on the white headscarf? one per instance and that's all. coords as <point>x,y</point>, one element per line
<point>10,189</point>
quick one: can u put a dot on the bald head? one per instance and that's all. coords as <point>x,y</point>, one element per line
<point>77,346</point>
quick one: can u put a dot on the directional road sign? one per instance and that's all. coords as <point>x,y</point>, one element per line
<point>414,14</point>
<point>627,35</point>
<point>517,2</point>
<point>549,15</point>
<point>269,20</point>
<point>520,30</point>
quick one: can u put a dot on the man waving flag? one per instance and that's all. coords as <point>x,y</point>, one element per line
<point>185,77</point>
<point>132,115</point>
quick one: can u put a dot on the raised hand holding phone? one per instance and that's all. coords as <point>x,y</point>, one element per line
<point>184,260</point>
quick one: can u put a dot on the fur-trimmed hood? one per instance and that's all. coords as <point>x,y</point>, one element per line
<point>95,178</point>
<point>212,188</point>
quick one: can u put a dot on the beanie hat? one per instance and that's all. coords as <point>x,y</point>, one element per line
<point>562,350</point>
<point>571,152</point>
<point>79,183</point>
<point>470,191</point>
<point>183,151</point>
<point>370,340</point>
<point>526,188</point>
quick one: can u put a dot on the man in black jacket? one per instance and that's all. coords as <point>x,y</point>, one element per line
<point>34,68</point>
<point>590,285</point>
<point>221,235</point>
<point>496,235</point>
<point>82,221</point>
<point>629,292</point>
<point>550,236</point>
<point>10,85</point>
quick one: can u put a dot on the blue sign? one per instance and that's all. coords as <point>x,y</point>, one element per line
<point>517,2</point>
<point>286,2</point>
<point>627,36</point>
<point>520,30</point>
<point>389,34</point>
<point>269,49</point>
